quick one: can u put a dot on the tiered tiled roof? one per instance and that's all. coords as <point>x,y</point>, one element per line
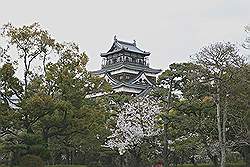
<point>126,59</point>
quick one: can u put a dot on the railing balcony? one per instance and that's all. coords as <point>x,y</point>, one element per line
<point>111,62</point>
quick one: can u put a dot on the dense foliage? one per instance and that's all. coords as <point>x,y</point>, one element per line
<point>44,110</point>
<point>197,113</point>
<point>31,161</point>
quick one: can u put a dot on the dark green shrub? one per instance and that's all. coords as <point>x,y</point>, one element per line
<point>3,165</point>
<point>198,165</point>
<point>236,164</point>
<point>208,165</point>
<point>31,161</point>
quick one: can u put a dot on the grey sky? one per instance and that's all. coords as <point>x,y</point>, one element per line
<point>171,30</point>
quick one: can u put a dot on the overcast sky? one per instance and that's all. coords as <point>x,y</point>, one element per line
<point>171,30</point>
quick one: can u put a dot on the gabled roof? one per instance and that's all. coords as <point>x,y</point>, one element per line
<point>124,46</point>
<point>146,91</point>
<point>140,76</point>
<point>111,80</point>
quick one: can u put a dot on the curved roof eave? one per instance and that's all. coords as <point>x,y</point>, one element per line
<point>127,66</point>
<point>124,49</point>
<point>115,81</point>
<point>127,46</point>
<point>112,52</point>
<point>142,87</point>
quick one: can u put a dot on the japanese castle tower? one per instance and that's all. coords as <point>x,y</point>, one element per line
<point>126,68</point>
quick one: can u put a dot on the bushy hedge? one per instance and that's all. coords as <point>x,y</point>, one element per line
<point>191,165</point>
<point>31,161</point>
<point>209,165</point>
<point>67,166</point>
<point>2,165</point>
<point>236,165</point>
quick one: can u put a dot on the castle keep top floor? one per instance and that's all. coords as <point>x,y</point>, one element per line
<point>126,68</point>
<point>127,55</point>
<point>124,52</point>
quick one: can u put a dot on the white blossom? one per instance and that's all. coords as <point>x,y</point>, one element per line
<point>136,121</point>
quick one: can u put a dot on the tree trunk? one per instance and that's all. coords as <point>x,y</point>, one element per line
<point>165,153</point>
<point>121,160</point>
<point>71,157</point>
<point>224,120</point>
<point>213,158</point>
<point>67,157</point>
<point>247,148</point>
<point>135,158</point>
<point>218,110</point>
<point>166,121</point>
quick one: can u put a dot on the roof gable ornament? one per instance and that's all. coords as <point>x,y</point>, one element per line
<point>134,43</point>
<point>115,38</point>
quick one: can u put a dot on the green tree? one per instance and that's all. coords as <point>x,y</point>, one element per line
<point>221,62</point>
<point>193,119</point>
<point>239,113</point>
<point>170,83</point>
<point>48,102</point>
<point>195,130</point>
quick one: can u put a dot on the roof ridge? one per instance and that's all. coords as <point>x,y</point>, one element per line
<point>125,42</point>
<point>120,43</point>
